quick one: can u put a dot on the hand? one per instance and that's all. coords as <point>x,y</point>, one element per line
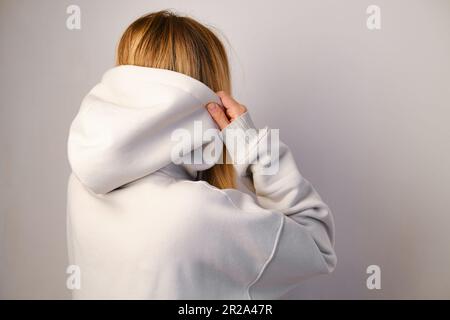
<point>231,109</point>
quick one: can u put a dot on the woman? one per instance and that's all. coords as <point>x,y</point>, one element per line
<point>143,226</point>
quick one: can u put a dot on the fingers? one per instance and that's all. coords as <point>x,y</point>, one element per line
<point>218,115</point>
<point>233,109</point>
<point>227,100</point>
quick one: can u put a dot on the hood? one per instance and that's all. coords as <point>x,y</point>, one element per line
<point>123,130</point>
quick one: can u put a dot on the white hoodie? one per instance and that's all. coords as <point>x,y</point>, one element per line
<point>141,227</point>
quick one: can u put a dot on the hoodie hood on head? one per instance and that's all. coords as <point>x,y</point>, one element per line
<point>123,129</point>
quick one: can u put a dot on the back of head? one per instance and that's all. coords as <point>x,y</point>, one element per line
<point>167,41</point>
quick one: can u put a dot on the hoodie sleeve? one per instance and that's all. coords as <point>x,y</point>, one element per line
<point>303,247</point>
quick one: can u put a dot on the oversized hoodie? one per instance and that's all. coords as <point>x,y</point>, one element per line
<point>143,227</point>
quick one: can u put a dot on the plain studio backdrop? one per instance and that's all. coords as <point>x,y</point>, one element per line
<point>365,112</point>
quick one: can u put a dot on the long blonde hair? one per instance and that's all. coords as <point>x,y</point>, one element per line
<point>168,41</point>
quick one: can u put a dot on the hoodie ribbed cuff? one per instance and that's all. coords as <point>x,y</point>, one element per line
<point>244,121</point>
<point>241,139</point>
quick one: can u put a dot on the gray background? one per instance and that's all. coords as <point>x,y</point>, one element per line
<point>366,114</point>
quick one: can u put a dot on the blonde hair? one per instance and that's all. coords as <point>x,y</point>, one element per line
<point>167,41</point>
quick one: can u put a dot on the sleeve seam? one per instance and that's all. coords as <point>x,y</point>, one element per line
<point>276,241</point>
<point>269,259</point>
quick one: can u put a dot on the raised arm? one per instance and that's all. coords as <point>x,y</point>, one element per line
<point>304,244</point>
